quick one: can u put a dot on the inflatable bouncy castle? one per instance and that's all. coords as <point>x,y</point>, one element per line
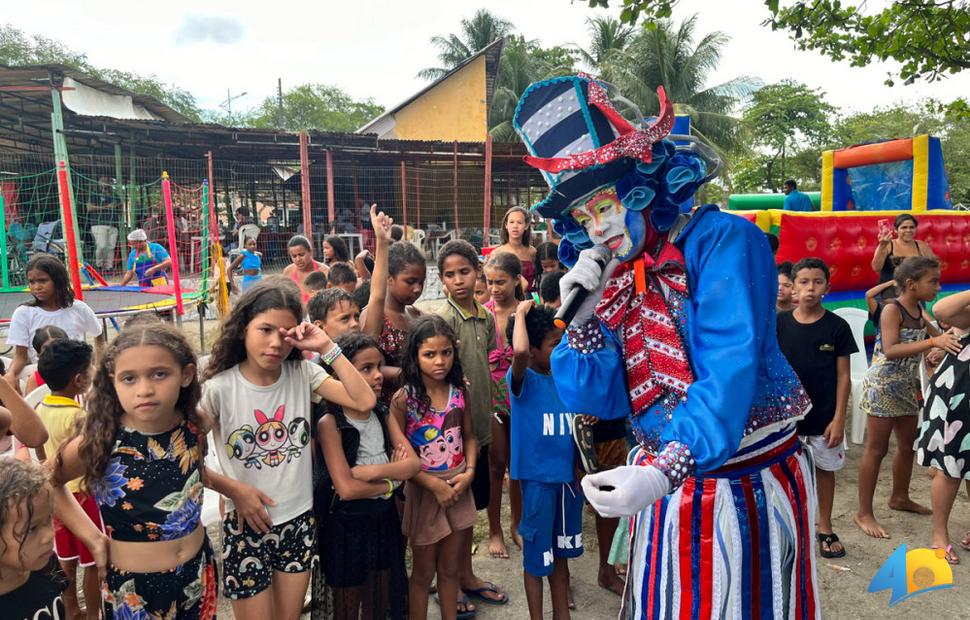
<point>862,185</point>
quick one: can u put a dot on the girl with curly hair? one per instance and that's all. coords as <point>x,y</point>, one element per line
<point>32,584</point>
<point>139,451</point>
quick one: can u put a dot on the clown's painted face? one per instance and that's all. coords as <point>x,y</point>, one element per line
<point>609,223</point>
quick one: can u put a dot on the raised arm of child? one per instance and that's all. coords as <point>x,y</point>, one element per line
<point>404,463</point>
<point>349,390</point>
<point>872,301</point>
<point>372,318</point>
<point>893,349</point>
<point>520,345</point>
<point>954,310</point>
<point>25,424</point>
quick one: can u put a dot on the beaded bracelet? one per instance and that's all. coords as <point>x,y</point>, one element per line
<point>331,355</point>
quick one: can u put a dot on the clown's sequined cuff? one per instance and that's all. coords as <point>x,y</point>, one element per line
<point>676,462</point>
<point>586,338</point>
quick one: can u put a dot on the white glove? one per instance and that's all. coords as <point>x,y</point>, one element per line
<point>587,274</point>
<point>633,489</point>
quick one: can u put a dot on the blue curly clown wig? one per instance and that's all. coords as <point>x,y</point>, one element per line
<point>661,186</point>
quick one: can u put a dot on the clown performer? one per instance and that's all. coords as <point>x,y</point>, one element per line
<point>677,332</point>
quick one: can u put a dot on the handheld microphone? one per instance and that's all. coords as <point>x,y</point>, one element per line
<point>575,298</point>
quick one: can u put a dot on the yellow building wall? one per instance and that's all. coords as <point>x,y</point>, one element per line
<point>452,110</point>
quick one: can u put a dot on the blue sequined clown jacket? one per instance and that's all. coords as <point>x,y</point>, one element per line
<point>743,387</point>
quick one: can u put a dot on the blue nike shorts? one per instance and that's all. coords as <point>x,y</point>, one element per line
<point>552,524</point>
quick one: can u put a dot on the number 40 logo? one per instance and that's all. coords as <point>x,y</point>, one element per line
<point>908,573</point>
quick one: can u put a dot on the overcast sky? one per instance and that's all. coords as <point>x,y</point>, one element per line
<point>374,48</point>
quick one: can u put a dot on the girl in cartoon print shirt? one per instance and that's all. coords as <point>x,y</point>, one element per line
<point>258,389</point>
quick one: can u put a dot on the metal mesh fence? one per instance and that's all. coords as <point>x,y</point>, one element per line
<point>437,200</point>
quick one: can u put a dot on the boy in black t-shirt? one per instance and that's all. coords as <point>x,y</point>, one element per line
<point>818,344</point>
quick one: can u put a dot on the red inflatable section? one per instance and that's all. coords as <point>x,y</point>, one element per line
<point>847,243</point>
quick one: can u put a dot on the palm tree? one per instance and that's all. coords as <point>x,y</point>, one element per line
<point>667,56</point>
<point>523,62</point>
<point>608,38</point>
<point>476,33</point>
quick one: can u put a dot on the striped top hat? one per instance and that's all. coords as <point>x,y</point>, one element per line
<point>578,140</point>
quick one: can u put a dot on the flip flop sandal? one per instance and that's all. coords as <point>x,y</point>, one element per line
<point>583,437</point>
<point>828,539</point>
<point>965,541</point>
<point>468,614</point>
<point>951,558</point>
<point>477,593</point>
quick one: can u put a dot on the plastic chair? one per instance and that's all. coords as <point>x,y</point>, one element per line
<point>858,366</point>
<point>417,238</point>
<point>36,395</point>
<point>28,370</point>
<point>247,231</point>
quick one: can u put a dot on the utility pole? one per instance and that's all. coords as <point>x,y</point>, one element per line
<point>279,101</point>
<point>227,104</point>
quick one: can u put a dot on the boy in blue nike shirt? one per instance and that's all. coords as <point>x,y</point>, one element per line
<point>543,459</point>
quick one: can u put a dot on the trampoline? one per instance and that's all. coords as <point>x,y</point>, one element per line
<point>111,302</point>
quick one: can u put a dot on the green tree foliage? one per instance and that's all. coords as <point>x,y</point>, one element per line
<point>928,38</point>
<point>671,55</point>
<point>17,48</point>
<point>608,39</point>
<point>476,33</point>
<point>314,106</point>
<point>784,119</point>
<point>523,62</point>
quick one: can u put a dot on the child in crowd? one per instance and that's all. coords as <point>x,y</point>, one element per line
<point>942,442</point>
<point>817,344</point>
<point>342,276</point>
<point>503,274</point>
<point>785,301</point>
<point>406,271</point>
<point>361,294</point>
<point>258,391</point>
<point>891,388</point>
<point>458,267</point>
<point>139,450</point>
<point>42,337</point>
<point>334,311</point>
<point>52,303</point>
<point>543,459</point>
<point>302,264</point>
<point>65,366</point>
<point>481,289</point>
<point>366,457</point>
<point>250,264</point>
<point>439,511</point>
<point>316,282</point>
<point>32,585</point>
<point>335,251</point>
<point>549,289</point>
<point>547,259</point>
